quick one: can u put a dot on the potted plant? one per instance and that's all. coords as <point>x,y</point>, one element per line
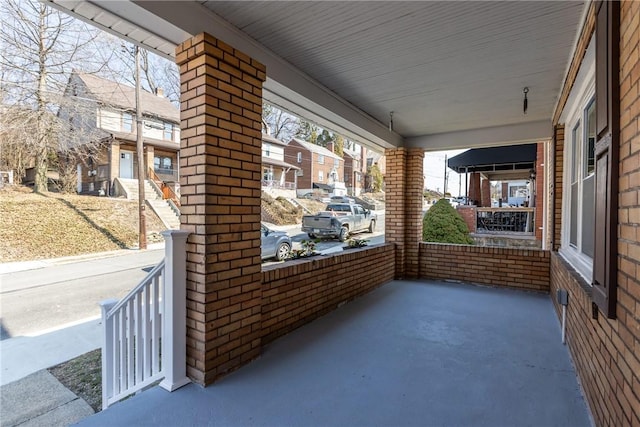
<point>307,249</point>
<point>354,242</point>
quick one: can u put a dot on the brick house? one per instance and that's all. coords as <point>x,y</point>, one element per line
<point>110,111</point>
<point>320,168</point>
<point>588,117</point>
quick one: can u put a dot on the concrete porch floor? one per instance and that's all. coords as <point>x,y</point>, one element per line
<point>408,354</point>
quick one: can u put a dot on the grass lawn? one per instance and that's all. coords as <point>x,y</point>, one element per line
<point>37,226</point>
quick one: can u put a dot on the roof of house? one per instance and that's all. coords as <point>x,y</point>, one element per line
<point>270,139</point>
<point>316,149</point>
<point>276,162</point>
<point>122,96</point>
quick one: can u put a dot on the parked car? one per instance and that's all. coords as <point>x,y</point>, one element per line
<point>274,244</point>
<point>338,220</point>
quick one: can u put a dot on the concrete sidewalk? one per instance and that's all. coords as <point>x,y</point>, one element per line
<point>29,394</point>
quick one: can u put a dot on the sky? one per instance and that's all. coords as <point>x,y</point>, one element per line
<point>434,166</point>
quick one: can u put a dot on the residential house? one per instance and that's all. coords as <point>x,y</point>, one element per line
<point>354,170</point>
<point>459,83</point>
<point>110,108</point>
<point>320,168</point>
<point>277,175</point>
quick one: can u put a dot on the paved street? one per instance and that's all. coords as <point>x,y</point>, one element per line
<point>48,298</point>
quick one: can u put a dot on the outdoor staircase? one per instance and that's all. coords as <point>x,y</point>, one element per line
<point>167,214</point>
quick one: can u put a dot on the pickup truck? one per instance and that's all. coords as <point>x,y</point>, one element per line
<point>338,220</point>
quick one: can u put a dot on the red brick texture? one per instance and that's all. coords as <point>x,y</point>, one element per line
<point>606,352</point>
<point>404,182</point>
<point>513,268</point>
<point>220,176</point>
<point>475,195</point>
<point>468,213</point>
<point>556,197</point>
<point>303,290</point>
<point>486,192</point>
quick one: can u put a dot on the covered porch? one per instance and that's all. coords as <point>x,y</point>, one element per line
<point>416,76</point>
<point>408,353</point>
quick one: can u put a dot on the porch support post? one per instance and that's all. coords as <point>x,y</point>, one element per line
<point>220,177</point>
<point>174,351</point>
<point>404,182</point>
<point>486,192</point>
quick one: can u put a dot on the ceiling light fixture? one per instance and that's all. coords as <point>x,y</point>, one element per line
<point>526,101</point>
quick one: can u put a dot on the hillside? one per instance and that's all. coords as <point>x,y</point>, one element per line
<point>35,226</point>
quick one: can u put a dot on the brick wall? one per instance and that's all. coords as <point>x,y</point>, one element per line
<point>606,352</point>
<point>513,268</point>
<point>468,213</point>
<point>220,168</point>
<point>302,290</point>
<point>558,166</point>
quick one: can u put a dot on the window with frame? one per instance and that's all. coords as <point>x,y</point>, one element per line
<point>336,163</point>
<point>321,176</point>
<point>299,157</point>
<point>267,149</point>
<point>127,122</point>
<point>579,217</point>
<point>320,159</point>
<point>162,163</point>
<point>168,131</point>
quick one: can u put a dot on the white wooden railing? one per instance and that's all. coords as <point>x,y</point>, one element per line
<point>145,332</point>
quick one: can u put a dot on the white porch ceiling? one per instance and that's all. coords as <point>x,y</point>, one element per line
<point>452,72</point>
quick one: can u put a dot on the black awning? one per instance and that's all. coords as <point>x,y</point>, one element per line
<point>324,187</point>
<point>513,157</point>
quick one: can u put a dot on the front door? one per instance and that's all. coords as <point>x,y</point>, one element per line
<point>126,164</point>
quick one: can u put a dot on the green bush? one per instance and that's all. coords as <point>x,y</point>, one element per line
<point>443,224</point>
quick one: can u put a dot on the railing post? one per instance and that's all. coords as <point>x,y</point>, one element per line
<point>107,351</point>
<point>174,322</point>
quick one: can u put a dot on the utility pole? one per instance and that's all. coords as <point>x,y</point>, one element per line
<point>142,216</point>
<point>446,176</point>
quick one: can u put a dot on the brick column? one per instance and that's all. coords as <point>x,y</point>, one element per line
<point>403,221</point>
<point>474,189</point>
<point>413,204</point>
<point>485,189</point>
<point>220,168</point>
<point>556,196</point>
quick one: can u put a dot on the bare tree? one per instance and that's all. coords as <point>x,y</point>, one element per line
<point>157,72</point>
<point>282,125</point>
<point>40,46</point>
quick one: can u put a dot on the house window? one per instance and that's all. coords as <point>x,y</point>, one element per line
<point>168,131</point>
<point>321,176</point>
<point>320,159</point>
<point>336,163</point>
<point>163,164</point>
<point>267,149</point>
<point>299,157</point>
<point>127,122</point>
<point>579,195</point>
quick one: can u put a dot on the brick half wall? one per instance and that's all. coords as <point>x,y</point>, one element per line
<point>300,291</point>
<point>526,269</point>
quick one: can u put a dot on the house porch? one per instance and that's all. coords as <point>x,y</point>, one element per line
<point>408,353</point>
